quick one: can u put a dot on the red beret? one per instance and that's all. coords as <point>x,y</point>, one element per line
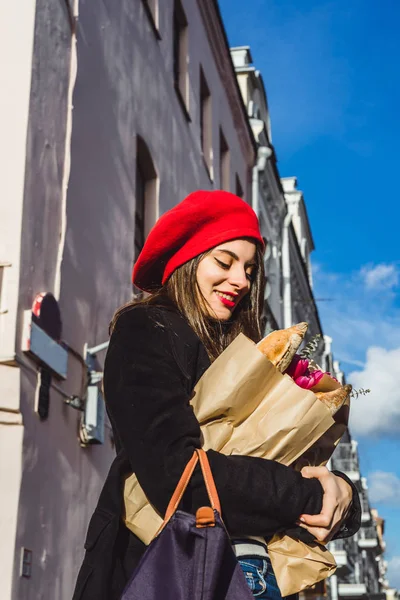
<point>200,222</point>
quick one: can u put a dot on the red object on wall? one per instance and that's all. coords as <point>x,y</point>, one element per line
<point>46,314</point>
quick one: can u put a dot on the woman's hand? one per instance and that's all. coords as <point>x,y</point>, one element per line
<point>336,503</point>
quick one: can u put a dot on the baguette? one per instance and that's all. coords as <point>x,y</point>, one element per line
<point>334,399</point>
<point>280,346</point>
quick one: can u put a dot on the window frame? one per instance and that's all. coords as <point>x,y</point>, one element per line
<point>3,284</point>
<point>224,163</point>
<point>206,130</point>
<point>180,56</point>
<point>152,9</point>
<point>238,187</point>
<point>146,194</point>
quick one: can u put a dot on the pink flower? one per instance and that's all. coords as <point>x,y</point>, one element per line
<point>300,373</point>
<point>309,379</point>
<point>297,367</point>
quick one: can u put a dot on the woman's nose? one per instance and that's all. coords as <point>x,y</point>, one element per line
<point>238,278</point>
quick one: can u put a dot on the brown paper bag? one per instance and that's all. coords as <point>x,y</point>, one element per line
<point>246,406</point>
<point>298,563</point>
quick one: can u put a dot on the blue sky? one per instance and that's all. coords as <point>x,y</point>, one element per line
<point>331,71</point>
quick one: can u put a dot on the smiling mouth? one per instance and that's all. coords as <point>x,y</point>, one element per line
<point>228,300</point>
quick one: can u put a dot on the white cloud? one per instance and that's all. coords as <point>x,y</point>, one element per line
<point>393,572</point>
<point>379,411</point>
<point>380,277</point>
<point>356,317</point>
<point>384,487</point>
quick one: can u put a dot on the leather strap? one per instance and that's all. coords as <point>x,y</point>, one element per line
<point>209,480</point>
<point>184,482</point>
<point>181,487</point>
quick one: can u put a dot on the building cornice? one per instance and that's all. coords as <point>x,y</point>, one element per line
<point>296,196</point>
<point>219,44</point>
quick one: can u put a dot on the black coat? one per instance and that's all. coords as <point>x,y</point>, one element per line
<point>153,363</point>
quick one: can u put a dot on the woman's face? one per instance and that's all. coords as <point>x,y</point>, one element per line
<point>224,276</point>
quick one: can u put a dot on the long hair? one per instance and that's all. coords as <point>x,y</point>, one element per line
<point>182,289</point>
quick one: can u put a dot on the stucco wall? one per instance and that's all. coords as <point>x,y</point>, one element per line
<point>49,451</point>
<point>124,87</point>
<point>16,62</point>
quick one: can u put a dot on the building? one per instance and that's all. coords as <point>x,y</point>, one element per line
<point>361,568</point>
<point>360,559</point>
<point>112,113</point>
<point>268,198</point>
<point>282,213</point>
<point>298,245</point>
<point>289,299</point>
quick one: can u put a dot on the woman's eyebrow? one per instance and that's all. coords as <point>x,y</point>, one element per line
<point>249,263</point>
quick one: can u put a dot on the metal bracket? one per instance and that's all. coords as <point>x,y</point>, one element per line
<point>75,402</point>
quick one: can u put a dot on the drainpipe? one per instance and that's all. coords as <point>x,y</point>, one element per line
<point>287,288</point>
<point>263,154</point>
<point>333,587</point>
<point>255,190</point>
<point>73,13</point>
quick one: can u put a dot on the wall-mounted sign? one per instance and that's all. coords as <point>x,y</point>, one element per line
<point>41,334</point>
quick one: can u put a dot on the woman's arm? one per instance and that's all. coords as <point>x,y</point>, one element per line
<point>146,396</point>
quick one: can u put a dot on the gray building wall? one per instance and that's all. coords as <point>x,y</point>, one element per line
<point>77,242</point>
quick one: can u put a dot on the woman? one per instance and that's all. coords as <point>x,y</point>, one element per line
<point>202,267</point>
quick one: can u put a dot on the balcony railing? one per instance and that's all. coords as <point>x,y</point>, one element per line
<point>345,555</point>
<point>368,538</point>
<point>345,450</point>
<point>339,544</point>
<point>352,589</point>
<point>348,465</point>
<point>368,533</point>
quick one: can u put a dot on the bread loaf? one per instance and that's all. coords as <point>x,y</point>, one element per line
<point>281,346</point>
<point>335,398</point>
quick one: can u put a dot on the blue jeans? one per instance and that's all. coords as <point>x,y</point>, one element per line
<point>261,578</point>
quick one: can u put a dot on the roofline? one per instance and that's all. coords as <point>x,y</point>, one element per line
<point>243,48</point>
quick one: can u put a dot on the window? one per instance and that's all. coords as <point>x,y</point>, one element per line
<point>205,123</point>
<point>146,211</point>
<point>180,49</point>
<point>139,212</point>
<point>151,7</point>
<point>224,163</point>
<point>238,187</point>
<point>3,266</point>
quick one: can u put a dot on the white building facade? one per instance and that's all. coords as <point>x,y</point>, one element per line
<point>282,213</point>
<point>361,571</point>
<point>268,197</point>
<point>289,299</point>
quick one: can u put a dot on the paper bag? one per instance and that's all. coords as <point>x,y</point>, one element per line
<point>246,406</point>
<point>298,563</point>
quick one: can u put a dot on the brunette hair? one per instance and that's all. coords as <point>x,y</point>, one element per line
<point>183,291</point>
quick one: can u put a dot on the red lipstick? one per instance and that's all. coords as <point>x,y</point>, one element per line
<point>226,302</point>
